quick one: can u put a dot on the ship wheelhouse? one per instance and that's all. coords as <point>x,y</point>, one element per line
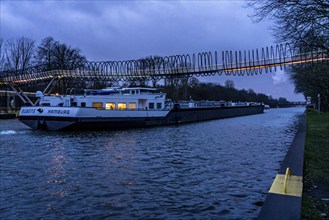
<point>136,98</point>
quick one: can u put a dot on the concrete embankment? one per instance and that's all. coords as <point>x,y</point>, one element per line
<point>285,195</point>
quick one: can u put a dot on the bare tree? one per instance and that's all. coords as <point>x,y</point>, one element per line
<point>45,53</point>
<point>229,84</point>
<point>19,53</point>
<point>56,55</point>
<point>67,57</point>
<point>149,66</point>
<point>302,22</point>
<point>193,82</point>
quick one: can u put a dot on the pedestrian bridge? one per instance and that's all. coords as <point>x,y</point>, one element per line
<point>251,62</point>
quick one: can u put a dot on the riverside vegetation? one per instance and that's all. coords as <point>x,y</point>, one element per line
<point>315,203</point>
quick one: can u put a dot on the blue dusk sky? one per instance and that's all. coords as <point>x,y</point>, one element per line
<point>107,30</point>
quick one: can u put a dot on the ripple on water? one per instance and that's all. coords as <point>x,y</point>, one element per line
<point>11,132</point>
<point>207,170</point>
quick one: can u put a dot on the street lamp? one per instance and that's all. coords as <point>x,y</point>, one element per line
<point>319,103</point>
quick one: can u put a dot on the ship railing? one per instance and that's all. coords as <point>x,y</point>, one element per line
<point>202,103</point>
<point>135,109</point>
<point>221,103</point>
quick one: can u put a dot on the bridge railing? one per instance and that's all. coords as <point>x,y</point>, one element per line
<point>203,64</point>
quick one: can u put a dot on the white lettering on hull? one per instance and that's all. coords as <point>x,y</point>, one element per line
<point>48,111</point>
<point>28,111</point>
<point>60,112</point>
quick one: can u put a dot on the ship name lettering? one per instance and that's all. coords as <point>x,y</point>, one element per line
<point>59,112</point>
<point>28,111</point>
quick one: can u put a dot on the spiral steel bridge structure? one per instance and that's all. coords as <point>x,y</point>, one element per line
<point>251,62</point>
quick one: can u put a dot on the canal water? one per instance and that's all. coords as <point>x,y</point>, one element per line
<point>219,169</point>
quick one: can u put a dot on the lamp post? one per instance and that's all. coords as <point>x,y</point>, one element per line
<point>319,103</point>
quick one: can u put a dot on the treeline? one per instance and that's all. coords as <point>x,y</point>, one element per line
<point>18,54</point>
<point>196,90</point>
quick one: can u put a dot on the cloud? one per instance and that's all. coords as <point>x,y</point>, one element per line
<point>134,29</point>
<point>279,77</point>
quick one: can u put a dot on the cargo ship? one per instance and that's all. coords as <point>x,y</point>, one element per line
<point>115,108</point>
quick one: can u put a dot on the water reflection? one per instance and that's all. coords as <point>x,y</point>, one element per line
<point>56,172</point>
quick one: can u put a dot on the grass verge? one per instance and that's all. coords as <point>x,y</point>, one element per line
<point>315,201</point>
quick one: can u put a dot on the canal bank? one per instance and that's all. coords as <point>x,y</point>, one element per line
<point>285,195</point>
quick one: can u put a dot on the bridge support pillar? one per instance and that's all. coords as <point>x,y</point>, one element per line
<point>7,102</point>
<point>21,95</point>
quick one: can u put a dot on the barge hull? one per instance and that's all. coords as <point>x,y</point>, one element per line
<point>202,114</point>
<point>175,116</point>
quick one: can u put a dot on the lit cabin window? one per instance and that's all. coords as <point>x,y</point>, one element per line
<point>151,105</point>
<point>110,106</point>
<point>132,105</point>
<point>159,105</point>
<point>122,106</point>
<point>97,105</point>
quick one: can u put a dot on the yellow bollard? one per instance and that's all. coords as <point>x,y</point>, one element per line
<point>288,173</point>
